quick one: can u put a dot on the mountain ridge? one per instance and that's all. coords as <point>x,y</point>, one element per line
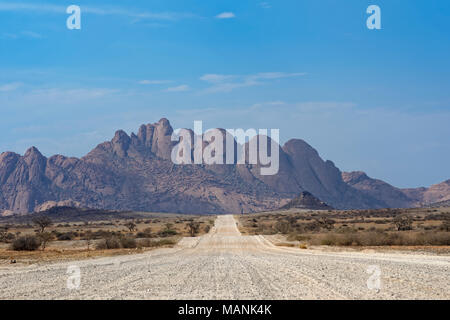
<point>134,172</point>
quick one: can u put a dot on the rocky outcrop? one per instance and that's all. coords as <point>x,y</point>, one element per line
<point>134,172</point>
<point>306,201</point>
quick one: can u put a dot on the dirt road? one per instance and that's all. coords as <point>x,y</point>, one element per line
<point>226,265</point>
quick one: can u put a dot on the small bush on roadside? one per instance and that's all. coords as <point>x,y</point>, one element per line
<point>146,233</point>
<point>26,243</point>
<point>167,233</point>
<point>128,243</point>
<point>109,243</point>
<point>149,243</point>
<point>298,237</point>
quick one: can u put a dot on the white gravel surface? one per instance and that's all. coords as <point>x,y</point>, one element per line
<point>226,265</point>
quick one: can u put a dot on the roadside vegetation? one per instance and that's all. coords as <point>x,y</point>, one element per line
<point>49,238</point>
<point>384,227</point>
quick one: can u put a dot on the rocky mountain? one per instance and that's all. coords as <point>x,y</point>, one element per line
<point>393,197</point>
<point>135,172</point>
<point>439,204</point>
<point>436,193</point>
<point>306,201</point>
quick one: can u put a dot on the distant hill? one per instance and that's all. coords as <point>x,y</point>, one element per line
<point>390,196</point>
<point>393,197</point>
<point>439,204</point>
<point>306,201</point>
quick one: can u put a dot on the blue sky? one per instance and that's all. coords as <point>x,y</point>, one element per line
<point>371,100</point>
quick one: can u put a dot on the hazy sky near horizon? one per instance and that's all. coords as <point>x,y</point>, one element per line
<point>370,100</point>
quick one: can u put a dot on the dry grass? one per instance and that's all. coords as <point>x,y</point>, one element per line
<point>71,237</point>
<point>429,227</point>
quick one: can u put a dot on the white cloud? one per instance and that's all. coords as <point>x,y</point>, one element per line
<point>215,78</point>
<point>180,88</point>
<point>150,82</point>
<point>276,103</point>
<point>31,7</point>
<point>74,95</point>
<point>265,5</point>
<point>7,35</point>
<point>23,34</point>
<point>46,8</point>
<point>31,34</point>
<point>277,75</point>
<point>226,15</point>
<point>227,83</point>
<point>10,86</point>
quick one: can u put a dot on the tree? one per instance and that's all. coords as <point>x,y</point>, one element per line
<point>193,228</point>
<point>131,226</point>
<point>42,222</point>
<point>403,222</point>
<point>44,238</point>
<point>88,236</point>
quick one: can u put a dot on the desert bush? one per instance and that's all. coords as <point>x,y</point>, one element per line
<point>282,227</point>
<point>328,240</point>
<point>403,222</point>
<point>346,229</point>
<point>445,226</point>
<point>6,236</point>
<point>109,243</point>
<point>167,233</point>
<point>44,238</point>
<point>264,229</point>
<point>128,243</point>
<point>193,228</point>
<point>149,243</point>
<point>326,223</point>
<point>383,239</point>
<point>313,226</point>
<point>146,233</point>
<point>26,243</point>
<point>65,236</point>
<point>298,237</point>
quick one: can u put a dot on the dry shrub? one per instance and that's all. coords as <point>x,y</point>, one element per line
<point>298,237</point>
<point>149,243</point>
<point>109,243</point>
<point>128,243</point>
<point>383,239</point>
<point>282,227</point>
<point>26,243</point>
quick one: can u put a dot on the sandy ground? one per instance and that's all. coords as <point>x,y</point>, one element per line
<point>226,265</point>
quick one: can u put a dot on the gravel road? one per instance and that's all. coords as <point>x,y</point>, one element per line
<point>226,265</point>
